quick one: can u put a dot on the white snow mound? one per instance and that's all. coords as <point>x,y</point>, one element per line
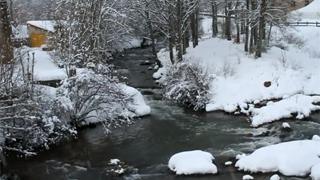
<point>192,162</point>
<point>247,177</point>
<point>275,177</point>
<point>315,172</point>
<point>295,158</point>
<point>138,105</point>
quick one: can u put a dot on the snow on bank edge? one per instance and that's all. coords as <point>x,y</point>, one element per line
<point>295,158</point>
<point>138,105</point>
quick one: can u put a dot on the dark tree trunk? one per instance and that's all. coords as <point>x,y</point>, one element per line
<point>194,26</point>
<point>253,36</point>
<point>196,39</point>
<point>153,40</point>
<point>179,44</point>
<point>237,24</point>
<point>246,43</point>
<point>261,28</point>
<point>171,36</point>
<point>6,47</point>
<point>214,18</point>
<point>228,20</point>
<point>186,42</point>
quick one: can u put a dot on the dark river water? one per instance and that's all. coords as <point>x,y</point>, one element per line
<point>148,143</point>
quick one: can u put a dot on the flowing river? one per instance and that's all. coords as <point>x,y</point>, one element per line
<point>148,143</point>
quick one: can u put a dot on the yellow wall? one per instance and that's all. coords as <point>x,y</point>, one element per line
<point>38,37</point>
<point>37,40</point>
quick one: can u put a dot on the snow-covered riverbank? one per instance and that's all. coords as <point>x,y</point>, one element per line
<point>258,87</point>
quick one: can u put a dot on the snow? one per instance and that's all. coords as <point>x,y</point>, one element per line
<point>228,163</point>
<point>311,11</point>
<point>300,104</point>
<point>275,177</point>
<point>315,172</point>
<point>44,68</point>
<point>238,78</point>
<point>45,25</point>
<point>20,32</point>
<point>114,162</point>
<point>192,162</point>
<point>316,138</point>
<point>295,158</point>
<point>247,177</point>
<point>286,125</point>
<point>138,105</point>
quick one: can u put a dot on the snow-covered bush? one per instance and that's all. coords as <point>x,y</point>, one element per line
<point>27,124</point>
<point>188,84</point>
<point>90,97</point>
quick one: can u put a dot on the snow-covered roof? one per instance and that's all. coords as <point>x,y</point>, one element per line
<point>311,11</point>
<point>20,32</point>
<point>47,25</point>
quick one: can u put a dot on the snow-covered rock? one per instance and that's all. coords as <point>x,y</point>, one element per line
<point>114,162</point>
<point>247,177</point>
<point>315,172</point>
<point>192,162</point>
<point>316,138</point>
<point>286,125</point>
<point>295,158</point>
<point>301,104</point>
<point>275,177</point>
<point>138,106</point>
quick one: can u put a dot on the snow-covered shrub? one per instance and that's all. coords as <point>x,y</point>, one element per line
<point>188,85</point>
<point>91,97</point>
<point>27,124</point>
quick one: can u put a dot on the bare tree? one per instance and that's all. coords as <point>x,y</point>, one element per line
<point>5,34</point>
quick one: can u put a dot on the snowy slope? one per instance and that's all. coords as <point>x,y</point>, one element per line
<point>310,12</point>
<point>239,79</point>
<point>44,68</point>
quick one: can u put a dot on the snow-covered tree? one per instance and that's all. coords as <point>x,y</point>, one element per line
<point>87,30</point>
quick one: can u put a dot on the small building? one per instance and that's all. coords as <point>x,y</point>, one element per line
<point>40,32</point>
<point>20,35</point>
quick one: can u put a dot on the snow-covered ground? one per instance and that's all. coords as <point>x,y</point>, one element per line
<point>44,67</point>
<point>239,80</point>
<point>192,162</point>
<point>295,158</point>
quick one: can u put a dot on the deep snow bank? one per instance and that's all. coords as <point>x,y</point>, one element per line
<point>295,158</point>
<point>239,79</point>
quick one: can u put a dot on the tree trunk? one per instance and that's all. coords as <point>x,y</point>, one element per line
<point>246,43</point>
<point>179,27</point>
<point>214,18</point>
<point>261,28</point>
<point>237,23</point>
<point>171,36</point>
<point>6,47</point>
<point>151,34</point>
<point>196,39</point>
<point>228,20</point>
<point>194,26</point>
